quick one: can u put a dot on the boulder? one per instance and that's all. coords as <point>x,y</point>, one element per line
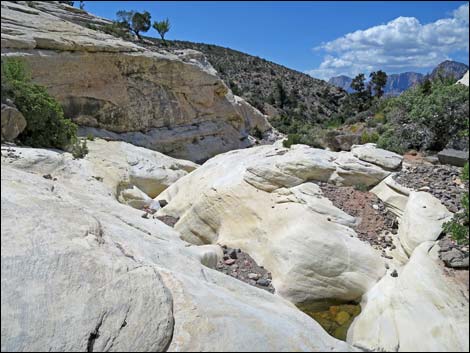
<point>82,272</point>
<point>131,195</point>
<point>393,195</point>
<point>13,122</point>
<point>261,201</point>
<point>144,173</point>
<point>454,258</point>
<point>422,220</point>
<point>370,153</point>
<point>464,79</point>
<point>115,89</point>
<point>453,157</point>
<point>420,310</point>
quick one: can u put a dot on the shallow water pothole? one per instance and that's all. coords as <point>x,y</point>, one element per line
<point>335,318</point>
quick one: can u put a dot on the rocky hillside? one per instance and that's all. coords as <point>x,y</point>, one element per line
<point>259,81</point>
<point>120,90</point>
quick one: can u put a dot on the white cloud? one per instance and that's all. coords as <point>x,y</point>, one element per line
<point>401,44</point>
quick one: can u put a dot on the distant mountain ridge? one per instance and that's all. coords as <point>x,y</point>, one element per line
<point>398,83</point>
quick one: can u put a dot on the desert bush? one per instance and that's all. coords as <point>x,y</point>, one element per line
<point>429,120</point>
<point>458,227</point>
<point>390,141</point>
<point>361,187</point>
<point>257,133</point>
<point>116,29</point>
<point>46,125</point>
<point>292,139</point>
<point>372,137</point>
<point>79,149</point>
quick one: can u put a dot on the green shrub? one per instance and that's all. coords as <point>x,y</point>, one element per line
<point>334,123</point>
<point>389,141</point>
<point>458,227</point>
<point>373,137</point>
<point>257,133</point>
<point>79,149</point>
<point>292,139</point>
<point>90,137</point>
<point>361,187</point>
<point>427,121</point>
<point>46,125</point>
<point>116,29</point>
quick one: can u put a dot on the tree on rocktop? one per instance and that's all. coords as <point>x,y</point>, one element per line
<point>378,79</point>
<point>426,87</point>
<point>162,27</point>
<point>136,22</point>
<point>358,83</point>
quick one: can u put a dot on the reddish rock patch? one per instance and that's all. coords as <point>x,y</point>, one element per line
<point>368,209</point>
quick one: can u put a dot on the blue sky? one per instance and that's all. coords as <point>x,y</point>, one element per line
<point>321,38</point>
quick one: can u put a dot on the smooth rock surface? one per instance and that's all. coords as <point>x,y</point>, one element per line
<point>370,153</point>
<point>149,171</point>
<point>421,310</point>
<point>81,271</point>
<point>393,195</point>
<point>422,220</point>
<point>260,200</point>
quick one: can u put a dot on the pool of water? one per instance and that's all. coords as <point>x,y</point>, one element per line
<point>334,318</point>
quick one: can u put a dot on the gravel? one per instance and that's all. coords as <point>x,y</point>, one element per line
<point>376,224</point>
<point>442,181</point>
<point>241,266</point>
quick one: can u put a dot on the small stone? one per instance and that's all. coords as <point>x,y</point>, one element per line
<point>394,273</point>
<point>47,176</point>
<point>163,203</point>
<point>232,253</point>
<point>375,207</point>
<point>263,282</point>
<point>254,276</point>
<point>229,262</point>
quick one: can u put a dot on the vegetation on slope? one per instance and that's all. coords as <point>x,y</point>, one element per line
<point>46,124</point>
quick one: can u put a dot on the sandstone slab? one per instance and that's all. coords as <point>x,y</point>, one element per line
<point>422,309</point>
<point>422,220</point>
<point>370,153</point>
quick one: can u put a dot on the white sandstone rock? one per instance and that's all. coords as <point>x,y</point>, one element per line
<point>81,271</point>
<point>421,310</point>
<point>370,153</point>
<point>131,195</point>
<point>259,200</point>
<point>464,79</point>
<point>422,220</point>
<point>393,195</point>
